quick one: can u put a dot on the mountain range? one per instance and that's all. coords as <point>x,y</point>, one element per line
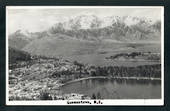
<point>68,36</point>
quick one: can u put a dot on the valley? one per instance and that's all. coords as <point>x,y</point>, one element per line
<point>41,63</point>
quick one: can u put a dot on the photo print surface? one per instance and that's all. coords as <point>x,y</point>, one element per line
<point>84,55</point>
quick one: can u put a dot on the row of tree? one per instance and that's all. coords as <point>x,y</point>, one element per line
<point>122,71</point>
<point>149,71</point>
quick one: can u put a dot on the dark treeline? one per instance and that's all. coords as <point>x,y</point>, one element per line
<point>122,71</point>
<point>149,71</point>
<point>18,56</point>
<point>133,55</point>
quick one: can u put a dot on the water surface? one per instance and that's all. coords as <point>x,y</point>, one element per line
<point>116,88</point>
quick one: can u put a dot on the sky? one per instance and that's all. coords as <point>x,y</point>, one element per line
<point>35,19</point>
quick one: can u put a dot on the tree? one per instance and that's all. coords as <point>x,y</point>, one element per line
<point>79,65</point>
<point>45,95</point>
<point>93,96</point>
<point>58,28</point>
<point>98,95</point>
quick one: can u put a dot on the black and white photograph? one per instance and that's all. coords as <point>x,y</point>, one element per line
<point>84,55</point>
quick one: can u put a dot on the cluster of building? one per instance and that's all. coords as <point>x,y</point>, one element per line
<point>28,81</point>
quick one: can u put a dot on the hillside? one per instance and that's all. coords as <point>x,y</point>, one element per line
<point>17,55</point>
<point>20,39</point>
<point>60,45</point>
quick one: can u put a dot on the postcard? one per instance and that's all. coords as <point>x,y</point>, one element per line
<point>85,55</point>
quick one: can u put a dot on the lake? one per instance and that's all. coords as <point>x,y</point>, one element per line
<point>116,88</point>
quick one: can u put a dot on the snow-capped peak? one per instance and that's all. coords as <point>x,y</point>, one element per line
<point>90,20</point>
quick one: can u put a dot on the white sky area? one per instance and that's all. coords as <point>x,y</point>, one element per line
<point>40,19</point>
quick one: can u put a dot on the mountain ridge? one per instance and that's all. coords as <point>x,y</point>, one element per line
<point>93,33</point>
<point>88,25</point>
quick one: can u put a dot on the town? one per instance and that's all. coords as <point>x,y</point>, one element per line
<point>40,78</point>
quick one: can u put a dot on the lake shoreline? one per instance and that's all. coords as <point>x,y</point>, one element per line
<point>104,77</point>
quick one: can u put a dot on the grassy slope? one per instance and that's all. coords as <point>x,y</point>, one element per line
<point>18,43</point>
<point>60,46</point>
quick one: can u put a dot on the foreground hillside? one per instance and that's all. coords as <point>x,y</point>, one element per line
<point>40,78</point>
<point>16,56</point>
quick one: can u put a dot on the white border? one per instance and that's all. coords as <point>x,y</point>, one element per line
<point>117,102</point>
